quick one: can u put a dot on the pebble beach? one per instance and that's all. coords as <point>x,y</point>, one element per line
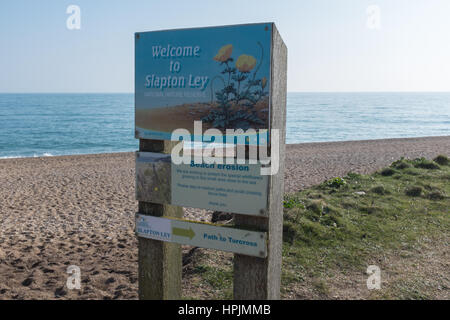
<point>79,210</point>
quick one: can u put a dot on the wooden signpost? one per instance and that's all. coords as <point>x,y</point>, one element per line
<point>231,77</point>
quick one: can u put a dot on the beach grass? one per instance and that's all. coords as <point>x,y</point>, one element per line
<point>334,231</point>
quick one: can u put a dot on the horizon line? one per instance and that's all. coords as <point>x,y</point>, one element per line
<point>119,92</point>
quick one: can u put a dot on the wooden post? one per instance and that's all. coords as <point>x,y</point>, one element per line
<point>257,278</point>
<point>160,264</point>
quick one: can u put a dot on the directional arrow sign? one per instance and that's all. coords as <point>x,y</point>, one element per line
<point>245,242</point>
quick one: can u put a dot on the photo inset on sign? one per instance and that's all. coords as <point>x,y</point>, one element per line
<point>153,177</point>
<point>218,75</point>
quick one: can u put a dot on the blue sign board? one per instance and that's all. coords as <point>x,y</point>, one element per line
<point>218,75</point>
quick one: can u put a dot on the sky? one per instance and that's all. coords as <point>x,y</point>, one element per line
<point>334,45</point>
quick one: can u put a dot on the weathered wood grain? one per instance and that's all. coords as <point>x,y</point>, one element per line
<point>160,265</point>
<point>256,278</point>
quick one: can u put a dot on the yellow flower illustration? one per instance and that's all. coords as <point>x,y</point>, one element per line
<point>263,82</point>
<point>245,63</point>
<point>224,53</point>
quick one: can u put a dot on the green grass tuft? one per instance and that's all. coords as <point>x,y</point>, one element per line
<point>379,190</point>
<point>315,206</point>
<point>401,164</point>
<point>290,203</point>
<point>414,191</point>
<point>425,164</point>
<point>336,183</point>
<point>436,195</point>
<point>387,172</point>
<point>442,160</point>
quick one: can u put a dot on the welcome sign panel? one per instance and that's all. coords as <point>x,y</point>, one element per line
<point>217,75</point>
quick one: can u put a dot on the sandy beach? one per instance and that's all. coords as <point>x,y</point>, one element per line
<point>79,210</point>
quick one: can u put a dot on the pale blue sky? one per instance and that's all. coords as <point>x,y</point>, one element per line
<point>330,46</point>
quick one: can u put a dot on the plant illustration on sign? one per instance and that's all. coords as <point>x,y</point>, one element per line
<point>236,103</point>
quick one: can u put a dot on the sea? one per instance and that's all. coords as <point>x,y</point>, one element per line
<point>35,125</point>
